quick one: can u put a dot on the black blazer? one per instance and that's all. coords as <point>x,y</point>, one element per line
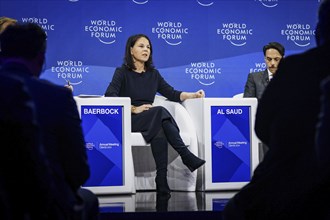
<point>61,131</point>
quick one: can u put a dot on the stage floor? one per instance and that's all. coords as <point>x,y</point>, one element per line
<point>148,202</point>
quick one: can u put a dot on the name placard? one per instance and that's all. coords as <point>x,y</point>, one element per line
<point>103,131</point>
<point>231,144</point>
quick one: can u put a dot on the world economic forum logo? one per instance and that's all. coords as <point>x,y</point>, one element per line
<point>236,33</point>
<point>268,3</point>
<point>90,145</point>
<point>205,3</point>
<point>42,22</point>
<point>140,2</point>
<point>219,144</point>
<point>70,71</point>
<point>105,31</point>
<point>171,32</point>
<point>204,72</point>
<point>300,34</point>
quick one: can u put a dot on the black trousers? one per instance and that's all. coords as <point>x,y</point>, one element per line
<point>168,133</point>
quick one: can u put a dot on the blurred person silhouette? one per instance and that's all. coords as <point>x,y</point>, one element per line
<point>257,81</point>
<point>25,183</point>
<point>4,23</point>
<point>323,143</point>
<point>288,183</point>
<point>323,128</point>
<point>23,52</point>
<point>138,79</point>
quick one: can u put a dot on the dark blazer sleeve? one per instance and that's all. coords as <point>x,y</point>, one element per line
<point>250,87</point>
<point>114,87</point>
<point>167,90</point>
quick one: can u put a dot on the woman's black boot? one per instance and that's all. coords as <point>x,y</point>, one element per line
<point>190,160</point>
<point>159,148</point>
<point>161,184</point>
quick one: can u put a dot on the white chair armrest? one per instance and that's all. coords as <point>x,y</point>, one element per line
<point>180,115</point>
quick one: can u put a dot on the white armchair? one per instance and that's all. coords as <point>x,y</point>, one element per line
<point>179,176</point>
<point>239,95</point>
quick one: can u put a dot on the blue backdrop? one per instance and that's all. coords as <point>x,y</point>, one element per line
<point>198,44</point>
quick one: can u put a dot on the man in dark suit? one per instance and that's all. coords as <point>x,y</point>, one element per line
<point>25,184</point>
<point>258,81</point>
<point>23,52</point>
<point>287,184</point>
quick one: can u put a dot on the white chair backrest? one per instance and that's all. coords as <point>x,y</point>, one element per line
<point>239,95</point>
